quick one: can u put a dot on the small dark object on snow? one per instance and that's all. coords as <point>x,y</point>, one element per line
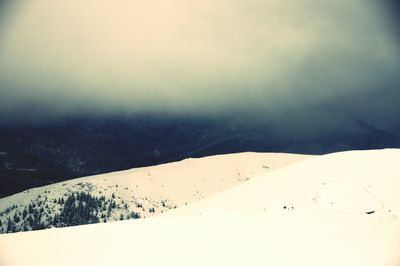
<point>284,207</point>
<point>370,212</point>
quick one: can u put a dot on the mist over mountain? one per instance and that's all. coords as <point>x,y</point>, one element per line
<point>96,86</point>
<point>271,58</point>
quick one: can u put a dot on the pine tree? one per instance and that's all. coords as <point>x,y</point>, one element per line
<point>30,208</point>
<point>16,218</point>
<point>10,226</point>
<point>134,215</point>
<point>24,213</point>
<point>109,210</point>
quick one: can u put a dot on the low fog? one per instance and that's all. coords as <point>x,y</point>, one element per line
<point>311,61</point>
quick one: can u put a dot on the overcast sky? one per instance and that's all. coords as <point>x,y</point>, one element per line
<point>271,57</point>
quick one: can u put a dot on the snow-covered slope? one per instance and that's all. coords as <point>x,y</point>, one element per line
<point>339,209</point>
<point>138,192</point>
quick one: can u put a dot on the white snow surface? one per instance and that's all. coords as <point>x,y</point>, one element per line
<point>337,209</point>
<point>161,188</point>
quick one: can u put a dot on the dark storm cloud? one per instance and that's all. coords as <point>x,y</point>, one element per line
<point>317,60</point>
<point>392,8</point>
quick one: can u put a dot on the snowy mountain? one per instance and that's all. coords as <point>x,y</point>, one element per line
<point>337,209</point>
<point>136,193</point>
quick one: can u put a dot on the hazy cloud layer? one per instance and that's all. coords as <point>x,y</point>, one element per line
<point>274,57</point>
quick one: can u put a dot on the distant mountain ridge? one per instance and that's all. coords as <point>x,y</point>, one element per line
<point>40,154</point>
